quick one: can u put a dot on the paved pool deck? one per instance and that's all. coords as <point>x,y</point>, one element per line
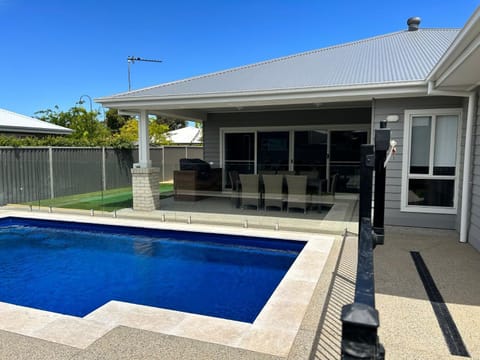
<point>273,334</point>
<point>409,328</point>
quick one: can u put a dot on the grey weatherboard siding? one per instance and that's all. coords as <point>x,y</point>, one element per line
<point>474,229</point>
<point>361,115</point>
<point>393,215</point>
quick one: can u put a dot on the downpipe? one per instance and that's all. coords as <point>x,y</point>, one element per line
<point>467,163</point>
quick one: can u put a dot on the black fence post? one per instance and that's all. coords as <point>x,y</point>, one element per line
<point>382,143</point>
<point>367,163</point>
<point>360,320</point>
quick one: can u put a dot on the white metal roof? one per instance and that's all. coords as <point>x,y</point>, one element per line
<point>388,66</point>
<point>17,123</point>
<point>404,56</point>
<point>186,135</point>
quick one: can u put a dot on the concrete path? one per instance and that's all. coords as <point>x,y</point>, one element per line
<point>409,327</point>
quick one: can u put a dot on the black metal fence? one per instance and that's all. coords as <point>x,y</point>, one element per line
<point>360,320</point>
<point>36,173</point>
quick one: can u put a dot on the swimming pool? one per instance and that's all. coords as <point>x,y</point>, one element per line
<point>74,268</point>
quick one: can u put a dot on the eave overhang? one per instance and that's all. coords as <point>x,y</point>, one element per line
<point>196,106</point>
<point>458,69</point>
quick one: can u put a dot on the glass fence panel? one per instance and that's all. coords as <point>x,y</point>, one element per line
<point>348,176</point>
<point>101,180</point>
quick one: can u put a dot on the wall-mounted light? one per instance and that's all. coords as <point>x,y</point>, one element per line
<point>393,118</point>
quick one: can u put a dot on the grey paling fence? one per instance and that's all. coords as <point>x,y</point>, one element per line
<point>35,173</point>
<point>24,174</point>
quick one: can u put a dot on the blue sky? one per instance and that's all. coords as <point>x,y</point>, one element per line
<point>53,52</point>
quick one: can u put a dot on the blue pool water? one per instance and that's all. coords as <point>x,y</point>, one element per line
<point>73,268</point>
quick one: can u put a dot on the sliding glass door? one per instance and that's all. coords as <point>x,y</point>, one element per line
<point>325,152</point>
<point>310,151</point>
<point>345,158</point>
<point>239,154</point>
<point>273,151</point>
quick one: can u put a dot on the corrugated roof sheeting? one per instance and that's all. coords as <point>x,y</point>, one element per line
<point>14,122</point>
<point>398,57</point>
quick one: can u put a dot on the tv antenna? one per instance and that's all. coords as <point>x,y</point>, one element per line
<point>131,60</point>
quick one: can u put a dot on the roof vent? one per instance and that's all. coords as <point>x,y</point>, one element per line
<point>413,23</point>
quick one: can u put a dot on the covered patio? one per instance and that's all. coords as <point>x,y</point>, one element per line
<point>334,216</point>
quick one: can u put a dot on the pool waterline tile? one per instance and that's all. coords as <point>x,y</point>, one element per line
<point>273,331</point>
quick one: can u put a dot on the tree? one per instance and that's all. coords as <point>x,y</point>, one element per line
<point>84,124</point>
<point>157,132</point>
<point>114,121</point>
<point>129,131</point>
<point>173,124</point>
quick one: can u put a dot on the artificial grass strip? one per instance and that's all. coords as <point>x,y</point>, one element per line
<point>109,200</point>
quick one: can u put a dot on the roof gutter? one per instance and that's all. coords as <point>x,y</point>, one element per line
<point>467,163</point>
<point>263,98</point>
<point>32,130</point>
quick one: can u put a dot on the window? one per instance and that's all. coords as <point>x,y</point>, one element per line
<point>430,160</point>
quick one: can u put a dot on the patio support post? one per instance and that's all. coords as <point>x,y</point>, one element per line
<point>143,141</point>
<point>145,178</point>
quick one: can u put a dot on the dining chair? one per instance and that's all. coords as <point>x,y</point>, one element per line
<point>297,192</point>
<point>273,194</point>
<point>235,183</point>
<point>250,193</point>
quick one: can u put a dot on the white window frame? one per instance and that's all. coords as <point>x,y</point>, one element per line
<point>409,114</point>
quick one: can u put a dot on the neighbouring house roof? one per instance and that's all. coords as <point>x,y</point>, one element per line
<point>186,135</point>
<point>392,65</point>
<point>16,123</point>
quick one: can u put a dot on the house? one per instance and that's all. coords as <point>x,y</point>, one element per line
<point>313,111</point>
<point>188,135</point>
<point>20,125</point>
